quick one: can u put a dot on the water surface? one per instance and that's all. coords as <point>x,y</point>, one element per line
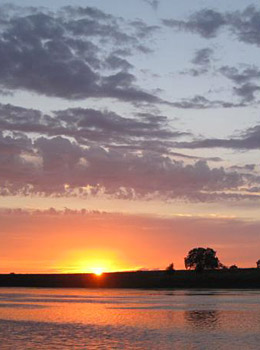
<point>39,319</point>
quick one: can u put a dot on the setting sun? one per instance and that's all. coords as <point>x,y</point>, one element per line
<point>97,271</point>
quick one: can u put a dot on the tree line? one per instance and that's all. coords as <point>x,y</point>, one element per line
<point>201,259</point>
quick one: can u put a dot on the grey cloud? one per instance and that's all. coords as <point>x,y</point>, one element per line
<point>91,151</point>
<point>202,57</point>
<point>201,61</point>
<point>244,80</point>
<point>250,139</point>
<point>142,29</point>
<point>245,25</point>
<point>240,77</point>
<point>247,91</point>
<point>63,54</point>
<point>88,126</point>
<point>16,172</point>
<point>254,189</point>
<point>207,23</point>
<point>201,102</point>
<point>91,12</point>
<point>116,62</point>
<point>246,167</point>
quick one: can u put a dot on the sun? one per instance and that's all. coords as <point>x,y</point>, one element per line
<point>98,271</point>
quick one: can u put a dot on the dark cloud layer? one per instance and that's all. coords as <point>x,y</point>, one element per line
<point>88,126</point>
<point>79,150</point>
<point>57,166</point>
<point>66,54</point>
<point>86,151</point>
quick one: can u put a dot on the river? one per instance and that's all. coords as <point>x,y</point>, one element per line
<point>88,319</point>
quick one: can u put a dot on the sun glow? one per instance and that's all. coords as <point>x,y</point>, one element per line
<point>96,261</point>
<point>97,271</point>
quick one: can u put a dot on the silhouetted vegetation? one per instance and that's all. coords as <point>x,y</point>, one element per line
<point>258,264</point>
<point>233,267</point>
<point>201,259</point>
<point>170,269</point>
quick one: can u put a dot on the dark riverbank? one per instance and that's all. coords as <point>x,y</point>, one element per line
<point>240,278</point>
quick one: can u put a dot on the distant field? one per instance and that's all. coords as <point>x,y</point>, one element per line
<point>240,278</point>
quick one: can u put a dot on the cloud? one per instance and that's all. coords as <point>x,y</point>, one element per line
<point>245,25</point>
<point>153,3</point>
<point>201,62</point>
<point>248,140</point>
<point>247,91</point>
<point>205,22</point>
<point>140,133</point>
<point>82,152</point>
<point>115,62</point>
<point>245,81</point>
<point>246,167</point>
<point>58,166</point>
<point>246,87</point>
<point>88,126</point>
<point>208,23</point>
<point>202,57</point>
<point>69,54</point>
<point>240,77</point>
<point>201,102</point>
<point>254,189</point>
<point>85,151</point>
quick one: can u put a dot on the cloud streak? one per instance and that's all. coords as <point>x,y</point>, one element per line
<point>248,140</point>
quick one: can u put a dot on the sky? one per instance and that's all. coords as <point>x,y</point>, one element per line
<point>129,133</point>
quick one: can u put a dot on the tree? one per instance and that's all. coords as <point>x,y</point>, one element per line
<point>258,264</point>
<point>202,259</point>
<point>170,269</point>
<point>233,267</point>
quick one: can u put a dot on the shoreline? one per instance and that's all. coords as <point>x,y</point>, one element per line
<point>180,279</point>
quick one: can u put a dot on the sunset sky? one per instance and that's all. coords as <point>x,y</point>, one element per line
<point>130,133</point>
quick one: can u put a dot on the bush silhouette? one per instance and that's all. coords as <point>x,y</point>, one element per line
<point>170,269</point>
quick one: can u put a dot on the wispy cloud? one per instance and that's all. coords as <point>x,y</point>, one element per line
<point>244,25</point>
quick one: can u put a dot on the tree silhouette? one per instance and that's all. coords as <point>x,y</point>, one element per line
<point>258,264</point>
<point>202,259</point>
<point>233,267</point>
<point>170,269</point>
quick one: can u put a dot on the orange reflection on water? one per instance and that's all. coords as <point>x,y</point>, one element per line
<point>163,310</point>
